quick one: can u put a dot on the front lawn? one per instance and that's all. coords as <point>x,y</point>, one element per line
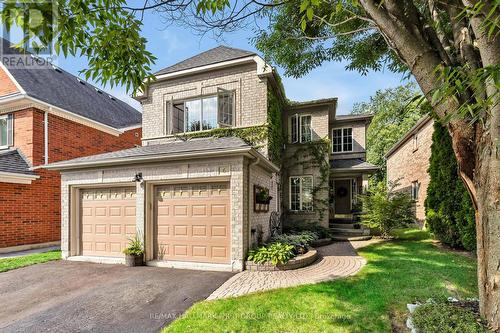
<point>17,262</point>
<point>397,273</point>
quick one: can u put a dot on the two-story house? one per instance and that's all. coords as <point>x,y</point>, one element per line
<point>48,115</point>
<point>216,160</point>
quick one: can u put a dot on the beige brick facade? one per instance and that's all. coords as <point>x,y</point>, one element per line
<point>250,90</point>
<point>409,163</point>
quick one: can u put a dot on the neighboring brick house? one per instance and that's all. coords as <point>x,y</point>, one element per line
<point>48,115</point>
<point>215,130</point>
<point>408,163</point>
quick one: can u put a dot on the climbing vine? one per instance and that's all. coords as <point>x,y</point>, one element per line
<point>253,135</point>
<point>314,155</point>
<point>276,137</point>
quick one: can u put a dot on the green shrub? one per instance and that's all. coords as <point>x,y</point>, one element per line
<point>299,226</point>
<point>276,253</point>
<point>386,209</point>
<point>299,241</point>
<point>446,318</point>
<point>134,247</point>
<point>449,210</point>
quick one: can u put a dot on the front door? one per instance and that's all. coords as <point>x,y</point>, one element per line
<point>342,196</point>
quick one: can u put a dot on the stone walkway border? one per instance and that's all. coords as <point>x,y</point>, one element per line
<point>336,261</point>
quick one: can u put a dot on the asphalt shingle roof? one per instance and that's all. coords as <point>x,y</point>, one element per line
<point>175,147</point>
<point>13,162</point>
<point>352,163</point>
<point>212,56</point>
<point>64,90</point>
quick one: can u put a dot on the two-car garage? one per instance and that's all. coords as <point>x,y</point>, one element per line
<point>191,222</point>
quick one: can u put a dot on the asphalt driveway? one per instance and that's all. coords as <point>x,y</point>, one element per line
<point>65,296</point>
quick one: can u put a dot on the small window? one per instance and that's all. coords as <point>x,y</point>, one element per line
<point>300,128</point>
<point>6,131</point>
<point>415,142</point>
<point>342,140</point>
<point>301,193</point>
<point>415,189</point>
<point>225,107</point>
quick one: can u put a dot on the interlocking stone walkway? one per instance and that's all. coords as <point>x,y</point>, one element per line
<point>336,260</point>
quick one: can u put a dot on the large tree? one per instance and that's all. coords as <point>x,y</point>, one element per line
<point>452,49</point>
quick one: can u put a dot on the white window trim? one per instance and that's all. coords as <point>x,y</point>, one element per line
<point>342,140</point>
<point>6,116</point>
<point>201,98</point>
<point>299,127</point>
<point>300,193</point>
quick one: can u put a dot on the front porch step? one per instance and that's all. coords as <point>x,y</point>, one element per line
<point>342,225</point>
<point>341,221</point>
<point>344,238</point>
<point>347,231</point>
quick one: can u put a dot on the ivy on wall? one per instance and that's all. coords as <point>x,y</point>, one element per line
<point>253,135</point>
<point>276,137</point>
<point>314,154</point>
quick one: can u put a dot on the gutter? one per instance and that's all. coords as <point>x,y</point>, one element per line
<point>17,178</point>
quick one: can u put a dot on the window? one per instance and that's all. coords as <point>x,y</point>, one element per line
<point>342,140</point>
<point>415,188</point>
<point>301,197</point>
<point>300,128</point>
<point>415,142</point>
<point>201,114</point>
<point>6,131</point>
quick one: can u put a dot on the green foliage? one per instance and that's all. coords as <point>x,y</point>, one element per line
<point>330,32</point>
<point>254,135</point>
<point>386,209</point>
<point>104,31</point>
<point>8,264</point>
<point>135,246</point>
<point>301,226</point>
<point>276,137</point>
<point>300,241</point>
<point>395,112</point>
<point>276,253</point>
<point>314,154</point>
<point>449,210</point>
<point>443,317</point>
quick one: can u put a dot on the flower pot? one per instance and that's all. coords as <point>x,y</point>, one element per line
<point>132,260</point>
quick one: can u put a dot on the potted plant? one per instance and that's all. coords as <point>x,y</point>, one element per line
<point>134,252</point>
<point>262,196</point>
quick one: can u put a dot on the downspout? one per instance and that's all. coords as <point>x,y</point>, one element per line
<point>251,194</point>
<point>46,137</point>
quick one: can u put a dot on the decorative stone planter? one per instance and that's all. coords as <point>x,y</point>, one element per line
<point>299,261</point>
<point>132,260</point>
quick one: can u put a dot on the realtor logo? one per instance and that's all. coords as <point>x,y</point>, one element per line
<point>28,29</point>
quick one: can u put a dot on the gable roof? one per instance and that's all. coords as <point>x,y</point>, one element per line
<point>59,88</point>
<point>420,123</point>
<point>12,161</point>
<point>353,164</point>
<point>212,56</point>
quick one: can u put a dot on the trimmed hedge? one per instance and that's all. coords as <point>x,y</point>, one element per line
<point>448,207</point>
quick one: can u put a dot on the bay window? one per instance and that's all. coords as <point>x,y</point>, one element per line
<point>6,131</point>
<point>301,193</point>
<point>201,114</point>
<point>342,140</point>
<point>300,128</point>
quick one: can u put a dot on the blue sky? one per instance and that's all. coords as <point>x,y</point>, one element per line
<point>173,44</point>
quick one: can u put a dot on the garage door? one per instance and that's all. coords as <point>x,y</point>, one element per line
<point>192,222</point>
<point>107,221</point>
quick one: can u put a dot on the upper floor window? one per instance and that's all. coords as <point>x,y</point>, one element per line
<point>300,128</point>
<point>342,140</point>
<point>201,114</point>
<point>415,189</point>
<point>301,193</point>
<point>6,131</point>
<point>415,142</point>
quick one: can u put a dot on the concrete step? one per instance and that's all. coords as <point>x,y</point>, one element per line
<point>343,238</point>
<point>342,225</point>
<point>341,221</point>
<point>347,231</point>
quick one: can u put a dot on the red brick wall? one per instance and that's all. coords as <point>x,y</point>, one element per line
<point>7,87</point>
<point>30,214</point>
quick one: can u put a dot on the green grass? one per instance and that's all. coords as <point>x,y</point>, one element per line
<point>8,264</point>
<point>398,272</point>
